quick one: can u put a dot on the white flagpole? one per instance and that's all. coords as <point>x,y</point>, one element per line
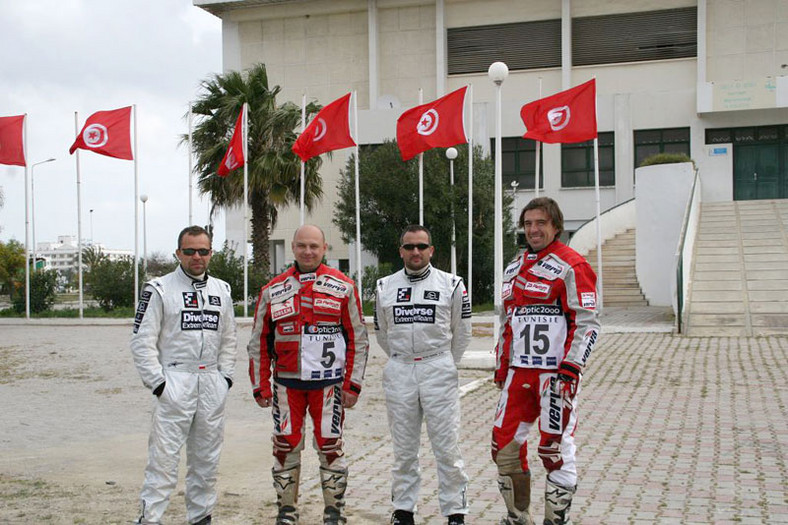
<point>191,168</point>
<point>27,221</point>
<point>303,183</point>
<point>245,132</point>
<point>538,148</point>
<point>600,302</point>
<point>469,284</point>
<point>421,173</point>
<point>358,205</point>
<point>136,214</point>
<point>79,224</point>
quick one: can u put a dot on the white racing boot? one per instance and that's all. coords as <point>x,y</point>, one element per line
<point>516,491</point>
<point>286,486</point>
<point>557,500</point>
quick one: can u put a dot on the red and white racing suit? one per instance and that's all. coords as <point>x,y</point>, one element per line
<point>549,317</point>
<point>309,331</point>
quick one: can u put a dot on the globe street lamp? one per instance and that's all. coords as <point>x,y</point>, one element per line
<point>144,199</point>
<point>498,72</point>
<point>451,154</point>
<point>33,205</point>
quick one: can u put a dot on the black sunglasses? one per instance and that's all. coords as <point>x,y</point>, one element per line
<point>192,251</point>
<point>421,246</point>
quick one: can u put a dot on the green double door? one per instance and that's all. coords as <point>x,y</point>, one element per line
<point>759,172</point>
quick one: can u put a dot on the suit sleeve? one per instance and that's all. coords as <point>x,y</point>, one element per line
<point>460,321</point>
<point>357,343</point>
<point>503,345</point>
<point>381,320</point>
<point>581,302</point>
<point>227,351</point>
<point>259,348</point>
<point>145,339</point>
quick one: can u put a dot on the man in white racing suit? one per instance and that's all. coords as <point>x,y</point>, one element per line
<point>548,329</point>
<point>184,349</point>
<point>423,323</point>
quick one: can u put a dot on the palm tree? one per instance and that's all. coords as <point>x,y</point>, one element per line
<point>274,170</point>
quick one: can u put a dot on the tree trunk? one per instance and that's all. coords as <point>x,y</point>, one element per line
<point>261,221</point>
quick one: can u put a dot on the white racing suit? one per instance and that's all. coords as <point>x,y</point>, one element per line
<point>184,339</point>
<point>423,323</point>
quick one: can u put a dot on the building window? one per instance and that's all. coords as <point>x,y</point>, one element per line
<point>577,163</point>
<point>522,45</point>
<point>653,141</point>
<point>635,37</point>
<point>518,162</point>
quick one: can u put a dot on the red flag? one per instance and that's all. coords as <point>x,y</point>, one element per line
<point>107,133</point>
<point>566,117</point>
<point>12,148</point>
<point>437,124</point>
<point>329,130</point>
<point>234,157</point>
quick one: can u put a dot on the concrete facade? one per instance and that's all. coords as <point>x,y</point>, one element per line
<point>388,49</point>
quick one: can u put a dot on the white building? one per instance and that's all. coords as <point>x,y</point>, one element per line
<point>704,77</point>
<point>63,254</point>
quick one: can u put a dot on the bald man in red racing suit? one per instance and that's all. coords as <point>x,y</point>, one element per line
<point>548,329</point>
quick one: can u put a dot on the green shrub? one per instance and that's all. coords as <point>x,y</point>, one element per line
<point>112,283</point>
<point>666,158</point>
<point>43,288</point>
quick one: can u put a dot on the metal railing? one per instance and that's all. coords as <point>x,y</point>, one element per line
<point>685,249</point>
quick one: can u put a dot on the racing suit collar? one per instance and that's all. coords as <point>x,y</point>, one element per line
<point>298,270</point>
<point>196,281</point>
<point>420,275</point>
<point>544,251</point>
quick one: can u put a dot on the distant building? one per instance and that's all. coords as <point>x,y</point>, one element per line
<point>63,254</point>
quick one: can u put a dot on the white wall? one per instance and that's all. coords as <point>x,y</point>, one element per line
<point>661,195</point>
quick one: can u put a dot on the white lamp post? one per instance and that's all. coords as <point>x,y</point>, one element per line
<point>451,154</point>
<point>514,186</point>
<point>91,226</point>
<point>33,205</point>
<point>498,72</point>
<point>144,199</point>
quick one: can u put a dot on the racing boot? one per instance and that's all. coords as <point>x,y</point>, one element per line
<point>516,491</point>
<point>557,500</point>
<point>402,517</point>
<point>334,483</point>
<point>286,486</point>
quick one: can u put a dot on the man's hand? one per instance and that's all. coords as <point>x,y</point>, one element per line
<point>264,402</point>
<point>349,399</point>
<point>567,380</point>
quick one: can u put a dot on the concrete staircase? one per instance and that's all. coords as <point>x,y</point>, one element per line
<point>740,276</point>
<point>619,282</point>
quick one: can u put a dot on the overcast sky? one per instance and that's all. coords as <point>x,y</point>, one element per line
<point>90,55</point>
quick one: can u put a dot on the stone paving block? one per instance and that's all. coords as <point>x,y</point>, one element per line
<point>766,295</point>
<point>717,296</point>
<point>721,285</point>
<point>765,257</point>
<point>749,250</point>
<point>767,284</point>
<point>716,308</point>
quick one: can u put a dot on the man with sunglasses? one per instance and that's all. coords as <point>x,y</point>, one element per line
<point>549,327</point>
<point>423,323</point>
<point>308,337</point>
<point>183,345</point>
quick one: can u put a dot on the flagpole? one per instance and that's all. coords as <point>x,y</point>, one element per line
<point>245,132</point>
<point>538,148</point>
<point>421,173</point>
<point>303,127</point>
<point>469,284</point>
<point>191,168</point>
<point>79,223</point>
<point>600,302</point>
<point>358,205</point>
<point>136,213</point>
<point>27,222</point>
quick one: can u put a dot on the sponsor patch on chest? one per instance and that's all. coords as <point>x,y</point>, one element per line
<point>432,295</point>
<point>283,309</point>
<point>414,313</point>
<point>307,277</point>
<point>537,288</point>
<point>404,294</point>
<point>327,304</point>
<point>513,269</point>
<point>214,300</point>
<point>283,290</point>
<point>547,268</point>
<point>506,290</point>
<point>205,320</point>
<point>588,300</point>
<point>190,300</point>
<point>331,286</point>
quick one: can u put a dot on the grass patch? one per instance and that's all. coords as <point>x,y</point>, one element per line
<point>125,312</point>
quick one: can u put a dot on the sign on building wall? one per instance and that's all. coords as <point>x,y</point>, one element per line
<point>745,94</point>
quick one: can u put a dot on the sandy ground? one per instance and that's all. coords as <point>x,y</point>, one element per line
<point>74,429</point>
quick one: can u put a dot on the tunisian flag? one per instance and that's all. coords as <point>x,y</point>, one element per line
<point>12,148</point>
<point>329,130</point>
<point>439,123</point>
<point>566,117</point>
<point>234,156</point>
<point>107,133</point>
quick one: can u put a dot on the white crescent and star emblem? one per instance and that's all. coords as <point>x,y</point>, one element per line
<point>559,117</point>
<point>320,129</point>
<point>428,122</point>
<point>95,136</point>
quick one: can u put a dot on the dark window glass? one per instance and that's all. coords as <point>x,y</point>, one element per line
<point>653,141</point>
<point>577,162</point>
<point>518,162</point>
<point>718,136</point>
